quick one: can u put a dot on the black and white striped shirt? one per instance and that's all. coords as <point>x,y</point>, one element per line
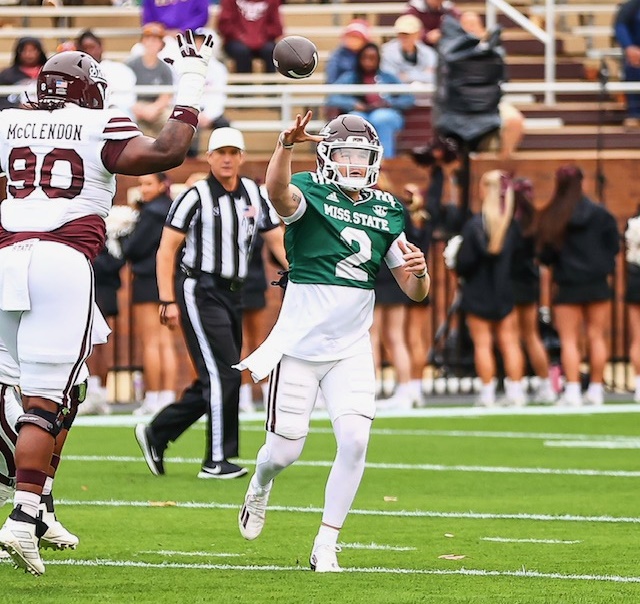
<point>220,226</point>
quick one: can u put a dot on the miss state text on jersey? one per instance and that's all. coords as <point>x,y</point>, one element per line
<point>334,240</point>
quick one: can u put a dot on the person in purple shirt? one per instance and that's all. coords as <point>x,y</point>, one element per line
<point>176,14</point>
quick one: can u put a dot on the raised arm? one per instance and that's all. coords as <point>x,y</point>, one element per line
<point>284,196</point>
<point>145,155</point>
<point>412,276</point>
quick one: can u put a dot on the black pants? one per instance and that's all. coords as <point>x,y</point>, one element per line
<point>211,317</point>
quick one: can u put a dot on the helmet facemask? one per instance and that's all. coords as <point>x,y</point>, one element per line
<point>352,164</point>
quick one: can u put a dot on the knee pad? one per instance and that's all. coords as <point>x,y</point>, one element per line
<point>45,420</point>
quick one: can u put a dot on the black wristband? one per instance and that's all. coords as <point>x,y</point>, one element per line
<point>422,276</point>
<point>165,303</point>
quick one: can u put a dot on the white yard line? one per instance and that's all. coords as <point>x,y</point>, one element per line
<point>167,552</point>
<point>390,466</point>
<point>124,420</point>
<point>358,512</point>
<point>595,444</point>
<point>523,574</point>
<point>377,546</point>
<point>549,541</point>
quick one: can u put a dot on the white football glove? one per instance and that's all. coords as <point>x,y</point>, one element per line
<point>192,69</point>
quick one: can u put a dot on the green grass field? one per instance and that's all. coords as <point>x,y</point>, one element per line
<point>536,508</point>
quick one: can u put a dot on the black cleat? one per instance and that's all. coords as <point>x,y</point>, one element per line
<point>221,469</point>
<point>152,455</point>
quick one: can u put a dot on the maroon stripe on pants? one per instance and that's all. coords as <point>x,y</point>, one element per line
<point>273,395</point>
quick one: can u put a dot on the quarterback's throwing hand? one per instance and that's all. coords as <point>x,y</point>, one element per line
<point>414,259</point>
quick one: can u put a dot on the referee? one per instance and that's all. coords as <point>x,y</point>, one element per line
<point>212,226</point>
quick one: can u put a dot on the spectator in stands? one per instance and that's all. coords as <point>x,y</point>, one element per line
<point>28,59</point>
<point>430,13</point>
<point>484,264</point>
<point>384,111</point>
<point>159,360</point>
<point>407,56</point>
<point>579,239</point>
<point>627,32</point>
<point>120,77</point>
<point>211,114</point>
<point>344,58</point>
<point>250,30</point>
<point>152,111</point>
<point>525,277</point>
<point>176,15</point>
<point>632,296</point>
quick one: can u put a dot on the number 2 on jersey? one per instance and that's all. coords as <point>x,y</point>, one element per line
<point>349,268</point>
<point>23,167</point>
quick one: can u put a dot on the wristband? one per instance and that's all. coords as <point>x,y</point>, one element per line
<point>166,303</point>
<point>184,114</point>
<point>422,276</point>
<point>284,145</point>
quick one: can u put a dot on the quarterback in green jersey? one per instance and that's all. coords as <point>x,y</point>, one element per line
<point>339,230</point>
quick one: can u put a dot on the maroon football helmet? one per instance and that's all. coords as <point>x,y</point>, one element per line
<point>72,77</point>
<point>347,132</point>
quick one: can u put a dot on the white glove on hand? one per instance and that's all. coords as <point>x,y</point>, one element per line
<point>192,69</point>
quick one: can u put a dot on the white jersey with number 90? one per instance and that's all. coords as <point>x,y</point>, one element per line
<point>54,167</point>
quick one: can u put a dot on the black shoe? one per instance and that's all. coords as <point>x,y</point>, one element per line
<point>221,469</point>
<point>152,455</point>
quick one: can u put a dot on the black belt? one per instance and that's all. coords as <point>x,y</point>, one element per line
<point>231,285</point>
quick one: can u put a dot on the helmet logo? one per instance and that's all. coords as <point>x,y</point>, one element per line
<point>60,87</point>
<point>95,73</point>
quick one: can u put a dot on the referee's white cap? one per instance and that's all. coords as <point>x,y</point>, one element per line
<point>226,137</point>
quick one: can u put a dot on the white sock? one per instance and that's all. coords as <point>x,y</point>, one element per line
<point>28,502</point>
<point>246,396</point>
<point>488,390</point>
<point>48,486</point>
<point>352,436</point>
<point>327,535</point>
<point>166,397</point>
<point>595,388</point>
<point>416,389</point>
<point>513,389</point>
<point>573,390</point>
<point>151,398</point>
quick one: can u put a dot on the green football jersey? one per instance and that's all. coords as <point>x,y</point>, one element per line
<point>338,241</point>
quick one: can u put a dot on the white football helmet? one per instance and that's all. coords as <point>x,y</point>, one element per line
<point>340,154</point>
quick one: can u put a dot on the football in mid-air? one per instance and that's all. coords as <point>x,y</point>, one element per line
<point>295,57</point>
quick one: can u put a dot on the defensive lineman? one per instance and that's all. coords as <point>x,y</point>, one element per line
<point>61,158</point>
<point>338,232</point>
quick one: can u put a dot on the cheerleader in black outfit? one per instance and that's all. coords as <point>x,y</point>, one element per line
<point>525,278</point>
<point>579,239</point>
<point>484,262</point>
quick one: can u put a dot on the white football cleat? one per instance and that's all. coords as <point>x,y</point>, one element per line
<point>252,514</point>
<point>323,558</point>
<point>55,535</point>
<point>18,538</point>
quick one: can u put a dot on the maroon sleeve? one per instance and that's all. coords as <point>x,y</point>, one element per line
<point>274,25</point>
<point>111,152</point>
